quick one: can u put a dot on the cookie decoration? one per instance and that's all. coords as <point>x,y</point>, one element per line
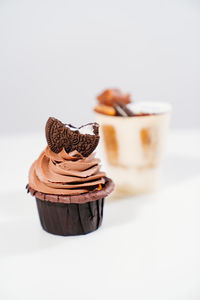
<point>56,135</point>
<point>83,139</point>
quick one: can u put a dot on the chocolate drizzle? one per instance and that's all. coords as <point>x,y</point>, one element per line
<point>61,136</point>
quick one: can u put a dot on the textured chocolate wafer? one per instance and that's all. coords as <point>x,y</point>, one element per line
<point>70,138</point>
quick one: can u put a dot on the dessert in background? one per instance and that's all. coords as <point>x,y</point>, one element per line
<point>67,182</point>
<point>134,136</point>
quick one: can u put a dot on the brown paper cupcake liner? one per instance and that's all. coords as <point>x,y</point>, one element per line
<point>72,215</point>
<point>70,219</point>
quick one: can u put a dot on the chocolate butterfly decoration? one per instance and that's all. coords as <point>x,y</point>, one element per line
<point>70,138</point>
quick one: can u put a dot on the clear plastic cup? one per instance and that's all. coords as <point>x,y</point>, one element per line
<point>134,146</point>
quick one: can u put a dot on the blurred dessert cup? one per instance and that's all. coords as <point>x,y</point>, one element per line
<point>134,137</point>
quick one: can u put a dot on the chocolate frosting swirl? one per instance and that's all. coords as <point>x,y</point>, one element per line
<point>65,174</point>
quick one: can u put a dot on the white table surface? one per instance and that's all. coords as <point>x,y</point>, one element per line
<point>147,248</point>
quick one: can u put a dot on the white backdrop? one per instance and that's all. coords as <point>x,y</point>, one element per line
<point>55,56</point>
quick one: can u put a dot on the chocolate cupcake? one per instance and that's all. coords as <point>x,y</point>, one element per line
<point>67,182</point>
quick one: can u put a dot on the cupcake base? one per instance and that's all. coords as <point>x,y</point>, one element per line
<point>71,215</point>
<point>70,218</point>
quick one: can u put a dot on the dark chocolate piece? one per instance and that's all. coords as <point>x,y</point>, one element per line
<point>122,110</point>
<point>70,219</point>
<point>119,111</point>
<point>61,136</point>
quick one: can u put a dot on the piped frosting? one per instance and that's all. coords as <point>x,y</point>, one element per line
<point>65,174</point>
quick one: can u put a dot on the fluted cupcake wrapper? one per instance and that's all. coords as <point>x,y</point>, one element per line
<point>70,218</point>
